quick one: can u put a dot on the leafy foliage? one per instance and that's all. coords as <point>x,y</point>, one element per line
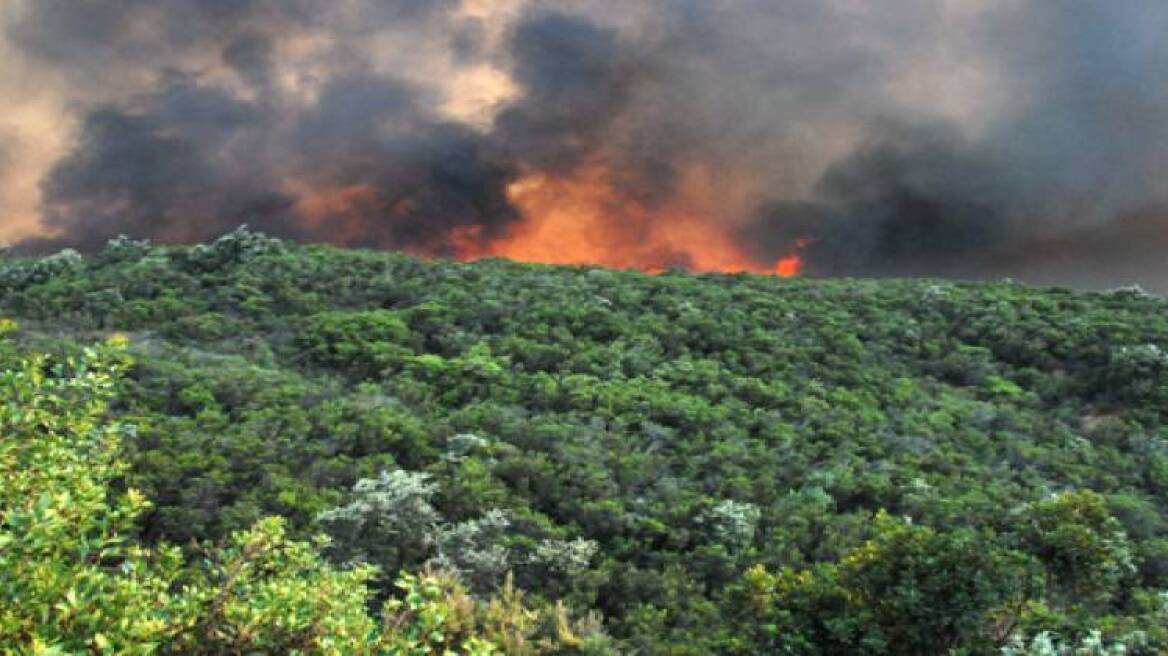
<point>73,580</point>
<point>909,590</point>
<point>700,459</point>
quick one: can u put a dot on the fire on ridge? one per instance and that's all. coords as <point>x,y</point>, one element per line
<point>804,137</point>
<point>582,220</point>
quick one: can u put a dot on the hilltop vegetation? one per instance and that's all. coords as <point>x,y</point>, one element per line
<point>714,464</point>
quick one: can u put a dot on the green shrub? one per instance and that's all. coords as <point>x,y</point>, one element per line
<point>72,580</point>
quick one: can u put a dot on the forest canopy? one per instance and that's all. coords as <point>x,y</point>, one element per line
<point>574,459</point>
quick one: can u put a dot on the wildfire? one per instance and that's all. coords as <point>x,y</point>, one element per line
<point>576,219</point>
<point>792,264</point>
<point>788,266</point>
<point>581,219</point>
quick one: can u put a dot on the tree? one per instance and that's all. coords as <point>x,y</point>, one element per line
<point>73,581</point>
<point>1084,549</point>
<point>362,344</point>
<point>389,521</point>
<point>910,589</point>
<point>930,591</point>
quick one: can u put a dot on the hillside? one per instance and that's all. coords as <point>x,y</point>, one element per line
<point>714,463</point>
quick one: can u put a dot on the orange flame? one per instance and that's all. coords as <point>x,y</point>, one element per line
<point>578,219</point>
<point>581,219</point>
<point>791,265</point>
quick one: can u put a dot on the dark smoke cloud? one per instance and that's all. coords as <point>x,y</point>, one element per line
<point>911,201</point>
<point>576,79</point>
<point>1066,187</point>
<point>252,57</point>
<point>424,177</point>
<point>195,155</point>
<point>971,138</point>
<point>175,169</point>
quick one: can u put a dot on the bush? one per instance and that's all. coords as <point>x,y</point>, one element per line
<point>72,580</point>
<point>361,344</point>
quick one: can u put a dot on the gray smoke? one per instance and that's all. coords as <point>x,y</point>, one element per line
<point>973,138</point>
<point>1064,186</point>
<point>191,154</point>
<point>917,200</point>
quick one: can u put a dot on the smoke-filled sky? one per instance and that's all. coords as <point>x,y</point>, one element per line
<point>965,138</point>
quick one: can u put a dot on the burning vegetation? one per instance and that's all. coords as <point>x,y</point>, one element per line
<point>799,137</point>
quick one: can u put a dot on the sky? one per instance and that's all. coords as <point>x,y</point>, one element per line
<point>973,139</point>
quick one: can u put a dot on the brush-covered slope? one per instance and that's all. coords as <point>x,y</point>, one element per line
<point>716,463</point>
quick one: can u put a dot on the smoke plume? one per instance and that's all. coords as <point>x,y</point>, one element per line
<point>970,138</point>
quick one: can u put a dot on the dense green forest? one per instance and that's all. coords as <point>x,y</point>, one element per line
<point>576,460</point>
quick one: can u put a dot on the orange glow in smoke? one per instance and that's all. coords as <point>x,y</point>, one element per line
<point>789,266</point>
<point>792,264</point>
<point>582,220</point>
<point>579,219</point>
<point>344,209</point>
